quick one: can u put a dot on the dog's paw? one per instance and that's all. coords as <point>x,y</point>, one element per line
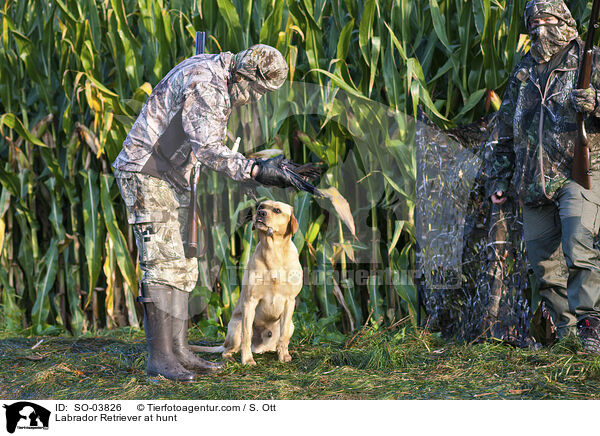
<point>249,361</point>
<point>228,357</point>
<point>285,358</point>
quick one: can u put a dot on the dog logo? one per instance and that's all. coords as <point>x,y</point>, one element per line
<point>26,415</point>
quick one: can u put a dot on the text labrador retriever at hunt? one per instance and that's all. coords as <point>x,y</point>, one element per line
<point>262,318</point>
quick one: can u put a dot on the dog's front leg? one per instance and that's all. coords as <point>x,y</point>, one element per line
<point>286,331</point>
<point>248,312</point>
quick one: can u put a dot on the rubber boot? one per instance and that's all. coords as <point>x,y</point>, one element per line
<point>180,337</point>
<point>159,334</point>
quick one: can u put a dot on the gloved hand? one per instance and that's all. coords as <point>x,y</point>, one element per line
<point>584,100</point>
<point>270,173</point>
<point>283,173</point>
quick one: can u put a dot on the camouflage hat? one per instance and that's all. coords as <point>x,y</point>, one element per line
<point>556,8</point>
<point>262,66</point>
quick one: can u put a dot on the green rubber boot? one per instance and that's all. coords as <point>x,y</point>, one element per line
<point>180,337</point>
<point>158,327</point>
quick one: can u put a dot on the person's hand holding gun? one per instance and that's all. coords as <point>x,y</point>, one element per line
<point>498,197</point>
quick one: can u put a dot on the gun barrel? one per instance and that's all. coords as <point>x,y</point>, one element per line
<point>200,41</point>
<point>580,172</point>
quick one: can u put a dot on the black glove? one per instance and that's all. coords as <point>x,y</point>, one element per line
<point>270,173</point>
<point>282,173</point>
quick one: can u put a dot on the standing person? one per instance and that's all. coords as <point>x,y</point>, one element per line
<point>184,121</point>
<point>534,153</point>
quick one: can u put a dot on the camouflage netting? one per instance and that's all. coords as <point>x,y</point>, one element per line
<point>471,257</point>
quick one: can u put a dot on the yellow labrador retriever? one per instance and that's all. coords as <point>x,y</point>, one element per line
<point>262,318</point>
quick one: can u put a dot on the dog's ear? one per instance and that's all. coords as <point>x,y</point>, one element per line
<point>292,225</point>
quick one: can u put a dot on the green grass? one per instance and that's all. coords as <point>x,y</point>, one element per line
<point>372,365</point>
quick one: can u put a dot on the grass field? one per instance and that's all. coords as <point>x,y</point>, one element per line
<point>401,364</point>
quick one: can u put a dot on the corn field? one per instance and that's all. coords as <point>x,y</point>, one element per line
<point>73,75</point>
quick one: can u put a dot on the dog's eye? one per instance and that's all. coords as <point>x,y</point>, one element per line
<point>270,334</point>
<point>277,210</point>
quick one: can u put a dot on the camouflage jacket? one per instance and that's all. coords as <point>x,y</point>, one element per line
<point>532,148</point>
<point>186,112</point>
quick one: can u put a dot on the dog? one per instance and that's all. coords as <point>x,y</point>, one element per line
<point>262,318</point>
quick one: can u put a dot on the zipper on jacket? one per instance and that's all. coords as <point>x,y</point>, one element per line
<point>543,95</point>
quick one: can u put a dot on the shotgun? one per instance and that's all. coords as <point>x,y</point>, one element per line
<point>581,155</point>
<point>190,246</point>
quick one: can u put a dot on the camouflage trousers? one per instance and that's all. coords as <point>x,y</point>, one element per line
<point>159,215</point>
<point>560,248</point>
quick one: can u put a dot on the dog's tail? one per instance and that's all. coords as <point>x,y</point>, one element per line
<point>201,349</point>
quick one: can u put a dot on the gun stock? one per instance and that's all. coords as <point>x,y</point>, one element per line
<point>190,247</point>
<point>580,172</point>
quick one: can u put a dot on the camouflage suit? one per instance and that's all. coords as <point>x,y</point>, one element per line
<point>184,122</point>
<point>534,154</point>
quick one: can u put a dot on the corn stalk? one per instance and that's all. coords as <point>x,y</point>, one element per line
<point>73,75</point>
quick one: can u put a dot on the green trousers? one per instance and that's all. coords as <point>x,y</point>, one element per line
<point>559,238</point>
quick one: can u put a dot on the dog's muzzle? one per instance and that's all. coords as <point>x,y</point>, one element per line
<point>269,229</point>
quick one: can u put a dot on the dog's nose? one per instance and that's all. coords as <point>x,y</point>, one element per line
<point>262,213</point>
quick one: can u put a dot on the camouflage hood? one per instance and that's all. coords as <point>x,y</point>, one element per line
<point>255,71</point>
<point>549,39</point>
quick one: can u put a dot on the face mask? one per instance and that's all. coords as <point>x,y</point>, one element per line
<point>239,94</point>
<point>242,93</point>
<point>549,39</point>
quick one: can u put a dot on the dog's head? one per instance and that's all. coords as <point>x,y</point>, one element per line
<point>275,218</point>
